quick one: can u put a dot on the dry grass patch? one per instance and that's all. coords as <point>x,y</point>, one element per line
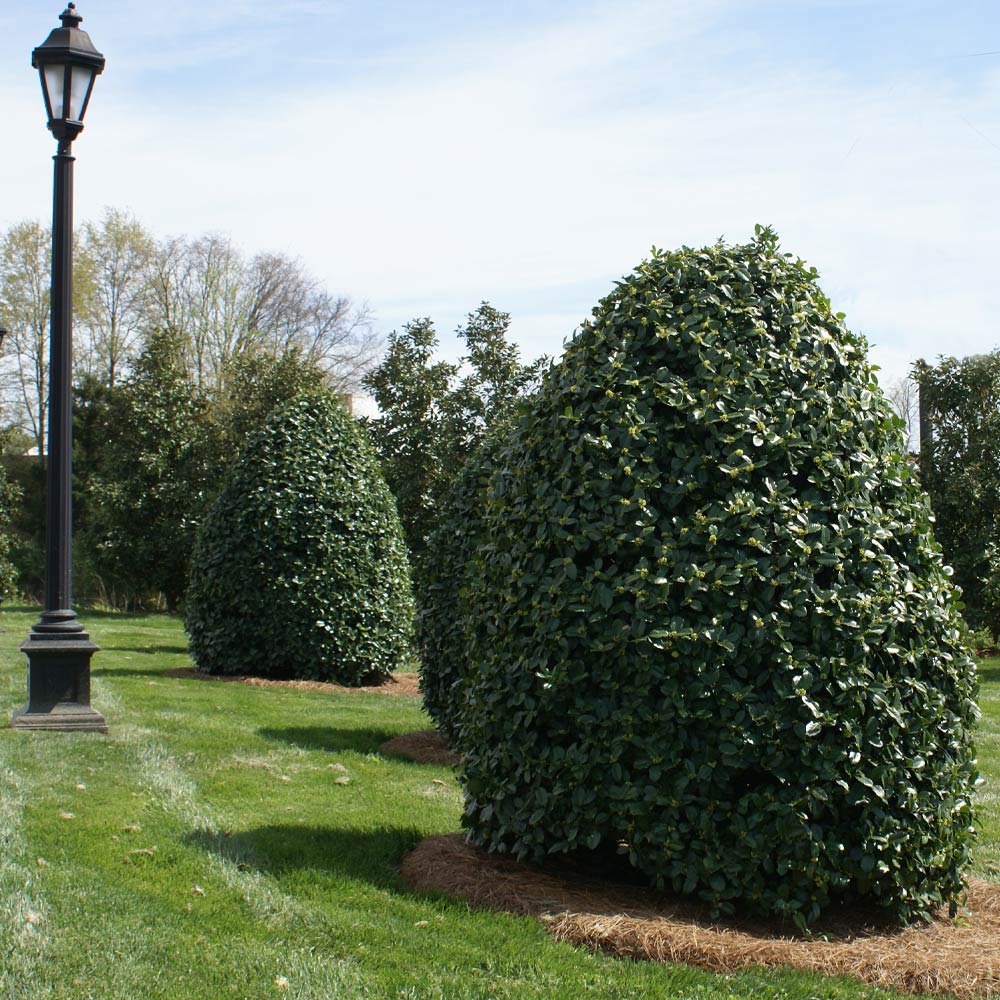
<point>946,956</point>
<point>397,684</point>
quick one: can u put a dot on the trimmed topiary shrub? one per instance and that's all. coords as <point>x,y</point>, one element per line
<point>300,568</point>
<point>705,618</point>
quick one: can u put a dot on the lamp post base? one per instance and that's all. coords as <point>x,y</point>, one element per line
<point>59,684</point>
<point>62,718</point>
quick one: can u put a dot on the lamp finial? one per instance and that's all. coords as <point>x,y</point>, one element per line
<point>69,16</point>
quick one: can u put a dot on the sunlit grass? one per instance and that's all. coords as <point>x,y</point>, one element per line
<point>208,847</point>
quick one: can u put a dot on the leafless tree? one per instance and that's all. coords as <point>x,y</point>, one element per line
<point>224,305</point>
<point>112,293</point>
<point>904,397</point>
<point>25,269</point>
<point>218,304</point>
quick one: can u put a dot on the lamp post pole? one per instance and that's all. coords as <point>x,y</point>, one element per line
<point>59,520</point>
<point>58,648</point>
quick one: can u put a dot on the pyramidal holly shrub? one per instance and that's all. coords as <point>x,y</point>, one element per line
<point>300,568</point>
<point>704,620</point>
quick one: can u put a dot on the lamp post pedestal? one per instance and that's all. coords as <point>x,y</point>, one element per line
<point>59,682</point>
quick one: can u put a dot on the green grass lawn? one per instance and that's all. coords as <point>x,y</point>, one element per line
<point>209,848</point>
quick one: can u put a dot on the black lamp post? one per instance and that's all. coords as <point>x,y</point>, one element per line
<point>58,648</point>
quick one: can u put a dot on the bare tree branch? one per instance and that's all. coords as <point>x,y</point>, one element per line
<point>904,397</point>
<point>25,262</point>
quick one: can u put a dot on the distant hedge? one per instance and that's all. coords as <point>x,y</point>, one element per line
<point>704,617</point>
<point>300,568</point>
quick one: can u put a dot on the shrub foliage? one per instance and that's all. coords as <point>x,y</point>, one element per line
<point>705,620</point>
<point>448,563</point>
<point>300,567</point>
<point>433,414</point>
<point>960,470</point>
<point>991,592</point>
<point>10,496</point>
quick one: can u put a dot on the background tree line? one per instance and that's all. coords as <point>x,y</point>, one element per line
<point>182,347</point>
<point>959,407</point>
<point>218,304</point>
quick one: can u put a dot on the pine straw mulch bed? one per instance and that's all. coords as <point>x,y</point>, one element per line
<point>425,747</point>
<point>398,684</point>
<point>960,957</point>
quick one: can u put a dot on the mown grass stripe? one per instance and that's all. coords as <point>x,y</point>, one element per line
<point>23,911</point>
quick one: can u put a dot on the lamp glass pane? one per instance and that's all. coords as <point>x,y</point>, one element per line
<point>54,77</point>
<point>83,76</point>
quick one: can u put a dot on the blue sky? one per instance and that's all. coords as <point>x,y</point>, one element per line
<point>424,156</point>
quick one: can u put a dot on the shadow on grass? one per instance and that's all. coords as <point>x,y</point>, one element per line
<point>330,738</point>
<point>990,674</point>
<point>372,855</point>
<point>180,648</point>
<point>85,612</point>
<point>126,672</point>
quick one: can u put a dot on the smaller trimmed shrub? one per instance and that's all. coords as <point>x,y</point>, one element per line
<point>300,568</point>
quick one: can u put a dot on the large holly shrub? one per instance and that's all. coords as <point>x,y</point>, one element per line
<point>705,618</point>
<point>300,567</point>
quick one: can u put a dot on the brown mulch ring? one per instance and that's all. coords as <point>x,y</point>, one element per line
<point>960,957</point>
<point>426,747</point>
<point>398,684</point>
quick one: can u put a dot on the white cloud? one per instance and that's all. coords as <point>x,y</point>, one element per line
<point>536,169</point>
